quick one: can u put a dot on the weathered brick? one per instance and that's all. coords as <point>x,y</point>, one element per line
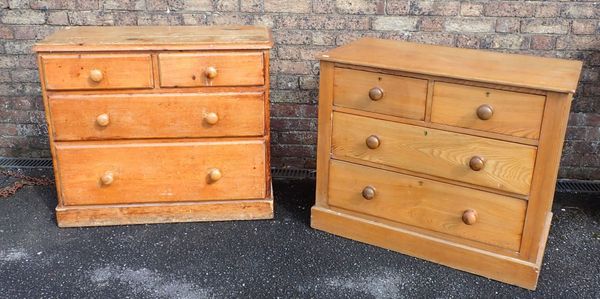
<point>548,10</point>
<point>289,6</point>
<point>586,26</point>
<point>509,9</point>
<point>23,17</point>
<point>397,7</point>
<point>65,4</point>
<point>6,32</point>
<point>227,5</point>
<point>468,41</point>
<point>434,8</point>
<point>436,38</point>
<point>59,17</point>
<point>578,42</point>
<point>506,41</point>
<point>327,7</point>
<point>543,42</point>
<point>251,5</point>
<point>471,9</point>
<point>555,26</point>
<point>581,10</point>
<point>124,4</point>
<point>157,5</point>
<point>470,25</point>
<point>508,25</point>
<point>90,18</point>
<point>395,23</point>
<point>431,24</point>
<point>360,6</point>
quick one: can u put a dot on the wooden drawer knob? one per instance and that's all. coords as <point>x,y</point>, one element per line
<point>368,192</point>
<point>211,72</point>
<point>469,217</point>
<point>214,175</point>
<point>103,120</point>
<point>211,118</point>
<point>107,178</point>
<point>96,75</point>
<point>477,163</point>
<point>373,142</point>
<point>376,93</point>
<point>485,112</point>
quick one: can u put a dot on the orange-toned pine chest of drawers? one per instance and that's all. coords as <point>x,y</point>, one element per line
<point>158,124</point>
<point>446,154</point>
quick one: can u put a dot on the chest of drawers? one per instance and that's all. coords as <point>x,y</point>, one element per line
<point>446,154</point>
<point>158,124</point>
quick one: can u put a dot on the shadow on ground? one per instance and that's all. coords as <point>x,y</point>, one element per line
<point>283,257</point>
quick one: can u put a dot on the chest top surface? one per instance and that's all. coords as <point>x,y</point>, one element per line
<point>95,38</point>
<point>549,74</point>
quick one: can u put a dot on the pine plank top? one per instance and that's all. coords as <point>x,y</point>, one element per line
<point>541,73</point>
<point>95,38</point>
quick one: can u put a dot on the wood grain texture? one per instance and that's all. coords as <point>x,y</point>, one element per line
<point>95,38</point>
<point>162,115</point>
<point>189,69</point>
<point>324,135</point>
<point>515,114</point>
<point>456,255</point>
<point>160,172</point>
<point>474,65</point>
<point>428,204</point>
<point>402,96</point>
<point>72,71</point>
<point>77,216</point>
<point>508,166</point>
<point>554,126</point>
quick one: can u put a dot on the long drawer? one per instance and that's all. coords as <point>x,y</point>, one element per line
<point>211,69</point>
<point>458,211</point>
<point>78,117</point>
<point>97,71</point>
<point>486,162</point>
<point>145,172</point>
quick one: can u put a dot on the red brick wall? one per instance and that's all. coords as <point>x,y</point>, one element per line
<point>301,29</point>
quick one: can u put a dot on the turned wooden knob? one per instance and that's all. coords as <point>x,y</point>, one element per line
<point>368,192</point>
<point>469,217</point>
<point>103,120</point>
<point>373,142</point>
<point>96,75</point>
<point>477,163</point>
<point>485,112</point>
<point>214,175</point>
<point>211,118</point>
<point>107,178</point>
<point>211,72</point>
<point>376,93</point>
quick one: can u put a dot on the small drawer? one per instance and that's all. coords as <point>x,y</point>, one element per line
<point>476,160</point>
<point>211,69</point>
<point>113,173</point>
<point>77,117</point>
<point>97,71</point>
<point>381,93</point>
<point>445,208</point>
<point>486,109</point>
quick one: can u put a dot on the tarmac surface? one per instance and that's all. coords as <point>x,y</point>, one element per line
<point>278,258</point>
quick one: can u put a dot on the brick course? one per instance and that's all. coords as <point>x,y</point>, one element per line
<point>302,28</point>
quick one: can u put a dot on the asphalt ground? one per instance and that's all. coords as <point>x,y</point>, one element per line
<point>280,258</point>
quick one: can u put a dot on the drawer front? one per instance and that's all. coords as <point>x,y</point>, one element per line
<point>77,117</point>
<point>96,173</point>
<point>486,109</point>
<point>211,69</point>
<point>375,92</point>
<point>492,219</point>
<point>481,161</point>
<point>97,71</point>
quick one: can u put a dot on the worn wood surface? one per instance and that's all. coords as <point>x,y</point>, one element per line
<point>159,38</point>
<point>428,204</point>
<point>232,69</point>
<point>474,65</point>
<point>72,71</point>
<point>508,166</point>
<point>163,115</point>
<point>160,172</point>
<point>402,96</point>
<point>515,114</point>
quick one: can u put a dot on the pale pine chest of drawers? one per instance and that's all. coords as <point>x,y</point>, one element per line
<point>446,154</point>
<point>158,124</point>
